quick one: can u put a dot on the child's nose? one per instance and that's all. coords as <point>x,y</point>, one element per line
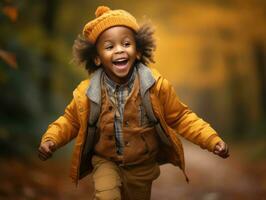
<point>119,49</point>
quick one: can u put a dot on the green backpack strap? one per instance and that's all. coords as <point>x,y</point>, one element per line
<point>148,107</point>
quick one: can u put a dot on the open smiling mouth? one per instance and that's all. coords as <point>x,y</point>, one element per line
<point>120,63</point>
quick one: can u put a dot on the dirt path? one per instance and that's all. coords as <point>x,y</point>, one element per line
<point>211,178</point>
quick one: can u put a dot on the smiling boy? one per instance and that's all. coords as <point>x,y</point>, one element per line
<point>116,138</point>
<point>117,53</point>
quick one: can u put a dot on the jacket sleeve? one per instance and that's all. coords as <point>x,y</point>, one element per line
<point>65,128</point>
<point>186,123</point>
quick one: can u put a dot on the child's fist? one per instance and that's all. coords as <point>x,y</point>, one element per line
<point>46,150</point>
<point>221,149</point>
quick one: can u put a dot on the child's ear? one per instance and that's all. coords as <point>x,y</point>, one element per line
<point>97,61</point>
<point>138,55</point>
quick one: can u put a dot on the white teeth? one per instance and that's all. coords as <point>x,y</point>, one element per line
<point>120,60</point>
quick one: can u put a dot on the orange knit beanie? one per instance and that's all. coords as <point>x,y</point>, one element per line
<point>106,18</point>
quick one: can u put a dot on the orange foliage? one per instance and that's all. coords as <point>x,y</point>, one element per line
<point>11,12</point>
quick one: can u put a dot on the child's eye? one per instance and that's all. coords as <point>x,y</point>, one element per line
<point>126,44</point>
<point>109,47</point>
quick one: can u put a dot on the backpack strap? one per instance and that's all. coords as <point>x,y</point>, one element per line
<point>85,164</point>
<point>92,126</point>
<point>94,96</point>
<point>148,107</point>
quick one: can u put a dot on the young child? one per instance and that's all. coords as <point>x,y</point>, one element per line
<point>116,138</point>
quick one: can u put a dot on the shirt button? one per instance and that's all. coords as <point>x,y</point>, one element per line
<point>126,124</point>
<point>127,144</point>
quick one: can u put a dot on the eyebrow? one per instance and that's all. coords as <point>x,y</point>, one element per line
<point>106,41</point>
<point>123,38</point>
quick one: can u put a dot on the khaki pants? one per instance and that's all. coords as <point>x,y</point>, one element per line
<point>113,182</point>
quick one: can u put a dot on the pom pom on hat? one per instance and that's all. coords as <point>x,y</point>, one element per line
<point>100,10</point>
<point>106,18</point>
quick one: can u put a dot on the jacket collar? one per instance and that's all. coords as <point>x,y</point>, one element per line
<point>145,76</point>
<point>94,90</point>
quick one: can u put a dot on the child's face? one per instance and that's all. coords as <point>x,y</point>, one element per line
<point>116,48</point>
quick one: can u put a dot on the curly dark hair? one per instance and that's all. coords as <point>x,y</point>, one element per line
<point>84,52</point>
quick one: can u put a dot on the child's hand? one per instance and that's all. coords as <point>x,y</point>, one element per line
<point>221,149</point>
<point>46,150</point>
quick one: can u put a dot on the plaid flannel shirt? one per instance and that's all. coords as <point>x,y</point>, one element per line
<point>118,95</point>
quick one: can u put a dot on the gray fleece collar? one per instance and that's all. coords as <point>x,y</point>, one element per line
<point>145,77</point>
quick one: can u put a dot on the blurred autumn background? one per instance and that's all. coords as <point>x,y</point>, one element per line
<point>213,52</point>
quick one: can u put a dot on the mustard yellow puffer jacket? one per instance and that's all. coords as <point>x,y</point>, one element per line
<point>175,118</point>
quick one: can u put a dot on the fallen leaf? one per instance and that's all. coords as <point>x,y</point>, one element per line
<point>8,58</point>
